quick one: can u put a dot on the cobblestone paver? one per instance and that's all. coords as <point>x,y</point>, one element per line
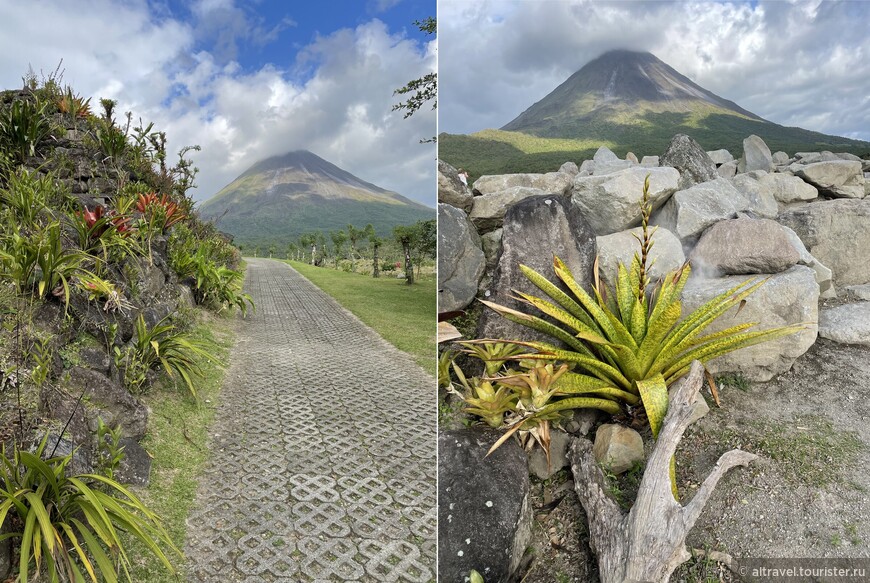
<point>322,452</point>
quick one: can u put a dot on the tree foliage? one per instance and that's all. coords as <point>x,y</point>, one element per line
<point>423,89</point>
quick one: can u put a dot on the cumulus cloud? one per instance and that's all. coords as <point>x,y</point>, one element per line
<point>800,63</point>
<point>335,99</point>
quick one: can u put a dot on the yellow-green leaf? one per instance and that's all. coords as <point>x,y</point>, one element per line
<point>654,394</point>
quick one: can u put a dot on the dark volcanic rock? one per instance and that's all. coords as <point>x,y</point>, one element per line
<point>687,156</point>
<point>484,512</point>
<point>534,230</point>
<point>108,400</point>
<point>135,468</point>
<point>460,259</point>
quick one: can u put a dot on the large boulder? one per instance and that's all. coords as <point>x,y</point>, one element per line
<point>760,199</point>
<point>788,189</point>
<point>461,259</point>
<point>450,189</point>
<point>756,155</point>
<point>611,203</point>
<point>728,169</point>
<point>484,509</point>
<point>823,274</point>
<point>689,212</point>
<point>838,178</point>
<point>785,298</point>
<point>720,157</point>
<point>744,246</point>
<point>666,254</point>
<point>549,183</point>
<point>846,324</point>
<point>837,233</point>
<point>687,156</point>
<point>488,210</point>
<point>534,231</point>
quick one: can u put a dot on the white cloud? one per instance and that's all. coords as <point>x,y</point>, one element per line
<point>341,110</point>
<point>800,63</point>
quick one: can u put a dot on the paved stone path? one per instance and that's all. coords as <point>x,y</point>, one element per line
<point>322,451</point>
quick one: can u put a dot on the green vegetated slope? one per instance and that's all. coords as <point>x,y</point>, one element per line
<point>280,198</point>
<point>625,101</point>
<point>404,315</point>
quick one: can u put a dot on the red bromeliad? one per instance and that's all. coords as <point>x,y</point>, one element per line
<point>98,221</point>
<point>171,209</point>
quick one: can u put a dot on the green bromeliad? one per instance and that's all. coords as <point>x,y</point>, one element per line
<point>626,347</point>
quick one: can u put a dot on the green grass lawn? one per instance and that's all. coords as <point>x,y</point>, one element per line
<point>404,315</point>
<point>177,440</point>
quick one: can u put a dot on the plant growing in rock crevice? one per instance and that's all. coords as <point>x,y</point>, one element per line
<point>627,346</point>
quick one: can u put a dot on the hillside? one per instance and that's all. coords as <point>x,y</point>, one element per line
<point>277,199</point>
<point>626,101</point>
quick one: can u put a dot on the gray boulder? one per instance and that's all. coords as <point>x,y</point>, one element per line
<point>666,254</point>
<point>787,189</point>
<point>650,161</point>
<point>106,399</point>
<point>450,189</point>
<point>728,169</point>
<point>744,246</point>
<point>617,448</point>
<point>848,156</point>
<point>603,168</point>
<point>605,156</point>
<point>488,210</point>
<point>759,196</point>
<point>484,510</point>
<point>823,274</point>
<point>790,297</point>
<point>689,212</point>
<point>587,167</point>
<point>687,156</point>
<point>780,158</point>
<point>632,157</point>
<point>549,183</point>
<point>569,168</point>
<point>838,178</point>
<point>491,243</point>
<point>756,155</point>
<point>611,203</point>
<point>837,233</point>
<point>559,442</point>
<point>720,157</point>
<point>846,324</point>
<point>461,260</point>
<point>534,231</point>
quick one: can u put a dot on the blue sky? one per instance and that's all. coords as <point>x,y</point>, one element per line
<point>246,79</point>
<point>802,63</point>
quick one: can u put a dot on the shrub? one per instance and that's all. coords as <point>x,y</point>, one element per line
<point>73,105</point>
<point>160,213</point>
<point>69,525</point>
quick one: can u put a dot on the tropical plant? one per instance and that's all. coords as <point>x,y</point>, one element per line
<point>488,401</point>
<point>73,105</point>
<point>161,212</point>
<point>23,126</point>
<point>105,231</point>
<point>99,289</point>
<point>112,141</point>
<point>39,260</point>
<point>68,527</point>
<point>631,345</point>
<point>162,347</point>
<point>27,194</point>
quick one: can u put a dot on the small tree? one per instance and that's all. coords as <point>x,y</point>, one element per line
<point>339,238</point>
<point>271,251</point>
<point>376,242</point>
<point>405,235</point>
